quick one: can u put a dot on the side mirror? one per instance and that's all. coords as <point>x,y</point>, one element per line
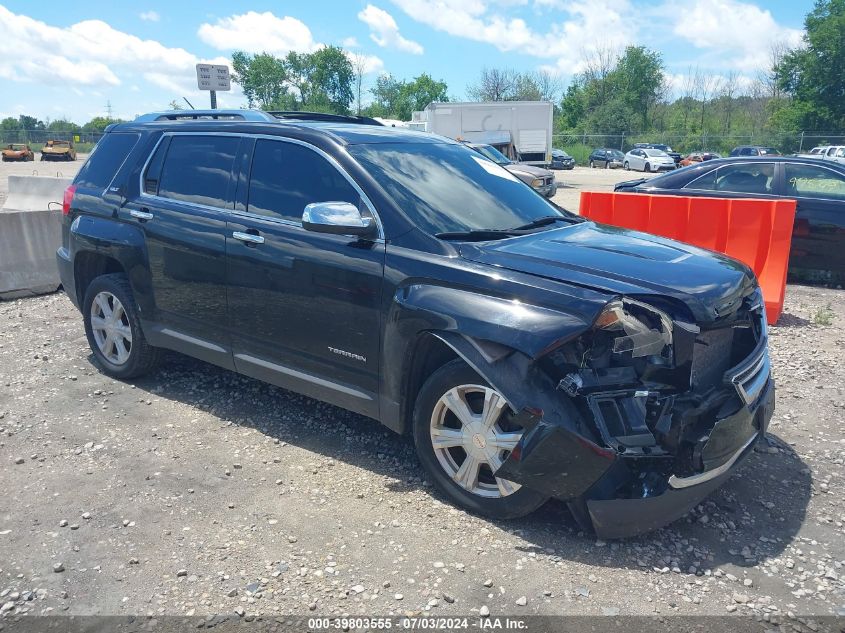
<point>339,218</point>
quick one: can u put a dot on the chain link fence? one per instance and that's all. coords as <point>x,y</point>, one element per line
<point>83,141</point>
<point>579,145</point>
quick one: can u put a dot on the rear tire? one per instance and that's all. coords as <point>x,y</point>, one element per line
<point>627,166</point>
<point>467,441</point>
<point>592,165</point>
<point>113,328</point>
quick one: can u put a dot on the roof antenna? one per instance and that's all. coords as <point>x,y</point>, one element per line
<point>189,103</point>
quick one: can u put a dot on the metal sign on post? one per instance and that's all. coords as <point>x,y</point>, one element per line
<point>213,77</point>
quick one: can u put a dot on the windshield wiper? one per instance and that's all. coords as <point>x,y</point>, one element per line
<point>478,235</point>
<point>545,220</point>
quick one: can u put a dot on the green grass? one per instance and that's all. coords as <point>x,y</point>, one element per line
<point>824,315</point>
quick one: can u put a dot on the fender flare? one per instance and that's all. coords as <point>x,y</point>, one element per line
<point>121,242</point>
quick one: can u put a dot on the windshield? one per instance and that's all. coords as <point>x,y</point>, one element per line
<point>449,188</point>
<point>654,152</point>
<point>615,153</point>
<point>493,154</point>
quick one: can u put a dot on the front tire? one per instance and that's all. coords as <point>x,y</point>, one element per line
<point>647,168</point>
<point>113,328</point>
<point>463,431</point>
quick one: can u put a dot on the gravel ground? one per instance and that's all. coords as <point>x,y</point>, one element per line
<point>196,491</point>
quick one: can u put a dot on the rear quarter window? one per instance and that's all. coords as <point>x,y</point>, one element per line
<point>106,159</point>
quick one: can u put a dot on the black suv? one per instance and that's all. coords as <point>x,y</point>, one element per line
<point>528,352</point>
<point>676,156</point>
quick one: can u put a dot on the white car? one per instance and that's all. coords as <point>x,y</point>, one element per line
<point>835,153</point>
<point>648,160</point>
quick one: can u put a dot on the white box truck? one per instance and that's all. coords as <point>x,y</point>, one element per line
<point>521,130</point>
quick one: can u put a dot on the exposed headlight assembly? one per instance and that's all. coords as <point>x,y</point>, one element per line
<point>638,329</point>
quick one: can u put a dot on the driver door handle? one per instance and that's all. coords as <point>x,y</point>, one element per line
<point>249,238</point>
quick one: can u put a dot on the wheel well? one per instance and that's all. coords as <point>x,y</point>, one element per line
<point>88,266</point>
<point>429,355</point>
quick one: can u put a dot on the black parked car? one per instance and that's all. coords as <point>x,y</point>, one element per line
<point>676,156</point>
<point>561,160</point>
<point>528,352</point>
<point>606,158</point>
<point>754,150</point>
<point>818,236</point>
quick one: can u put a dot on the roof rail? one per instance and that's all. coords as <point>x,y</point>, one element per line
<point>297,115</point>
<point>219,115</point>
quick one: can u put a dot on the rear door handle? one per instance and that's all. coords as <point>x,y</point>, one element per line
<point>248,237</point>
<point>141,214</point>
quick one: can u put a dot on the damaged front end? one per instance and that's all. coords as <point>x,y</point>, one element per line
<point>639,418</point>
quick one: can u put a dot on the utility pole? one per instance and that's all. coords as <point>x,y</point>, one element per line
<point>108,109</point>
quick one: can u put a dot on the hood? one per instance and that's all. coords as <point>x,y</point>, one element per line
<point>625,262</point>
<point>531,170</point>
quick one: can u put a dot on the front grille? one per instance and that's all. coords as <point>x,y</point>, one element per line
<point>753,376</point>
<point>711,358</point>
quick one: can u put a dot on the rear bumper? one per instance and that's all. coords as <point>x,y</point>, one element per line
<point>675,496</point>
<point>65,266</point>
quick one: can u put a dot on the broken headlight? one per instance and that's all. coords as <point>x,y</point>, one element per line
<point>635,330</point>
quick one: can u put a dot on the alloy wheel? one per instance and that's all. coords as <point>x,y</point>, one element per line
<point>472,434</point>
<point>111,328</point>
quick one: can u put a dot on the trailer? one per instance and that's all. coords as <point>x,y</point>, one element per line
<point>521,130</point>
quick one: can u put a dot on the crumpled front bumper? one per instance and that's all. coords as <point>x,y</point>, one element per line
<point>624,517</point>
<point>621,495</point>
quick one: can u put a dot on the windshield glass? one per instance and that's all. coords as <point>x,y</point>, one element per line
<point>654,152</point>
<point>493,154</point>
<point>615,153</point>
<point>449,188</point>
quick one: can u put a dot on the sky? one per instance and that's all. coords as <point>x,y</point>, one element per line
<point>73,60</point>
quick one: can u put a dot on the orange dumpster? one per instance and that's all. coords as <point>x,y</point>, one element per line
<point>756,232</point>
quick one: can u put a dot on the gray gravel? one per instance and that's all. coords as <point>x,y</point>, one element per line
<point>196,491</point>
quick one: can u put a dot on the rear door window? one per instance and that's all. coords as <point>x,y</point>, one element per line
<point>745,178</point>
<point>809,181</point>
<point>198,170</point>
<point>285,177</point>
<point>106,159</point>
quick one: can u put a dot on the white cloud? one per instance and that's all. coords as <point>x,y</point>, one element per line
<point>91,55</point>
<point>258,33</point>
<point>349,42</point>
<point>88,53</point>
<point>738,32</point>
<point>385,32</point>
<point>589,23</point>
<point>149,16</point>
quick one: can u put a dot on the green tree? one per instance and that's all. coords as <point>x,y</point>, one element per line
<point>98,124</point>
<point>262,77</point>
<point>397,99</point>
<point>331,79</point>
<point>639,77</point>
<point>813,74</point>
<point>320,81</point>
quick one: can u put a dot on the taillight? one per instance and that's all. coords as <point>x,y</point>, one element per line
<point>68,199</point>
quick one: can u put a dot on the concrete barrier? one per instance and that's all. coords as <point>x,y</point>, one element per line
<point>30,233</point>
